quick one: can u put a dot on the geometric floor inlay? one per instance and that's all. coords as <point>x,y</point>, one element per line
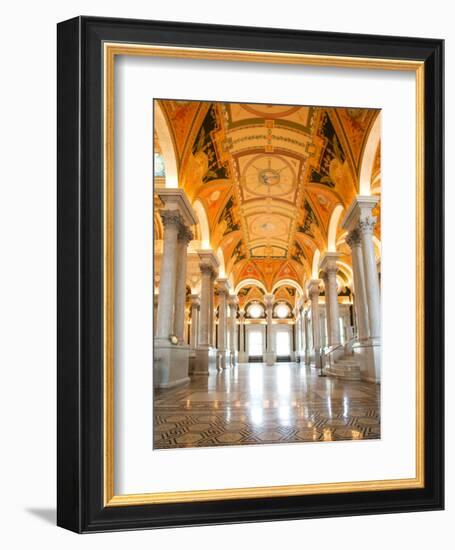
<point>254,404</point>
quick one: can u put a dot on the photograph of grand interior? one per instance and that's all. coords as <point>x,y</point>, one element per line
<point>267,263</point>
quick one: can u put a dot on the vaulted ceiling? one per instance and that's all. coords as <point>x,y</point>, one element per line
<point>268,177</point>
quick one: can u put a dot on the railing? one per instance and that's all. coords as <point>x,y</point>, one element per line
<point>327,353</point>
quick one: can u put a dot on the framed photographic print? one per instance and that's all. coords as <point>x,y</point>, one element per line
<point>250,274</point>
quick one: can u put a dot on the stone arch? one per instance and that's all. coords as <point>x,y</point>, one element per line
<point>167,147</point>
<point>315,264</point>
<point>222,268</point>
<point>368,157</point>
<point>203,223</point>
<point>157,227</point>
<point>333,228</point>
<point>250,282</point>
<point>287,282</point>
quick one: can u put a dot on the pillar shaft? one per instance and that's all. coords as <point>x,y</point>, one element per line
<point>333,315</point>
<point>307,338</point>
<point>313,291</point>
<point>233,325</point>
<point>297,331</point>
<point>222,320</point>
<point>205,327</point>
<point>168,274</point>
<point>195,305</point>
<point>366,227</point>
<point>184,237</point>
<point>212,339</point>
<point>242,331</point>
<point>269,311</point>
<point>360,297</point>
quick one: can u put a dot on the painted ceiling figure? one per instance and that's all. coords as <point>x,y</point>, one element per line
<point>269,178</point>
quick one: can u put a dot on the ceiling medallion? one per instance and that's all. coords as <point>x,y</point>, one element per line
<point>269,176</point>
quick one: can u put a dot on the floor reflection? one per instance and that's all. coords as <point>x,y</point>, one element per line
<point>253,404</point>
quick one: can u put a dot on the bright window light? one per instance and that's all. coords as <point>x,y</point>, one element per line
<point>255,311</point>
<point>282,311</point>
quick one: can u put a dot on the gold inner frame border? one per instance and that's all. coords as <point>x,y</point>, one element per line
<point>110,51</point>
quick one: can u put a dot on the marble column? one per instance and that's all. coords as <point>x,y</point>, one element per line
<point>313,291</point>
<point>184,237</point>
<point>223,354</point>
<point>155,312</point>
<point>359,219</point>
<point>242,353</point>
<point>328,264</point>
<point>206,359</point>
<point>366,228</point>
<point>307,338</point>
<point>172,223</point>
<point>360,296</point>
<point>297,334</point>
<point>195,305</point>
<point>171,355</point>
<point>233,329</point>
<point>269,354</point>
<point>302,336</point>
<point>205,327</point>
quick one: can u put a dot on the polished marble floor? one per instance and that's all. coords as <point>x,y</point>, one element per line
<point>253,404</point>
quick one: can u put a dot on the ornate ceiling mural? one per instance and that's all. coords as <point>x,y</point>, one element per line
<point>269,178</point>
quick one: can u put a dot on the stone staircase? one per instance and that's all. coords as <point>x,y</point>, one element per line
<point>345,367</point>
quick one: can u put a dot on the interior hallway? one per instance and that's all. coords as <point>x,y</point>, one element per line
<point>255,403</point>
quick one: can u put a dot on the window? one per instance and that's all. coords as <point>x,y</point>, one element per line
<point>282,311</point>
<point>255,311</point>
<point>255,343</point>
<point>283,343</point>
<point>159,165</point>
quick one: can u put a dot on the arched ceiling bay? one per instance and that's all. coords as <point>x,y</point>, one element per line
<point>269,177</point>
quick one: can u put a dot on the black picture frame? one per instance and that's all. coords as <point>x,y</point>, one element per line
<point>80,474</point>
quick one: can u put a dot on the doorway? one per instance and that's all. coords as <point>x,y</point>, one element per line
<point>255,345</point>
<point>283,345</point>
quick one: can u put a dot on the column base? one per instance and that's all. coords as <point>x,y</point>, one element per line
<point>233,358</point>
<point>368,353</point>
<point>170,365</point>
<point>205,360</point>
<point>192,361</point>
<point>269,358</point>
<point>223,359</point>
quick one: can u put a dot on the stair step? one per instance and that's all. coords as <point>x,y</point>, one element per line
<point>344,371</point>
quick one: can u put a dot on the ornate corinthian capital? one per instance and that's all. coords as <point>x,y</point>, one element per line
<point>353,238</point>
<point>171,217</point>
<point>206,269</point>
<point>185,234</point>
<point>366,225</point>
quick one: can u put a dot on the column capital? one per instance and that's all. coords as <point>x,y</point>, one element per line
<point>313,287</point>
<point>233,300</point>
<point>268,300</point>
<point>176,200</point>
<point>359,209</point>
<point>208,262</point>
<point>328,262</point>
<point>195,300</point>
<point>366,225</point>
<point>185,235</point>
<point>353,238</point>
<point>171,218</point>
<point>206,269</point>
<point>222,287</point>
